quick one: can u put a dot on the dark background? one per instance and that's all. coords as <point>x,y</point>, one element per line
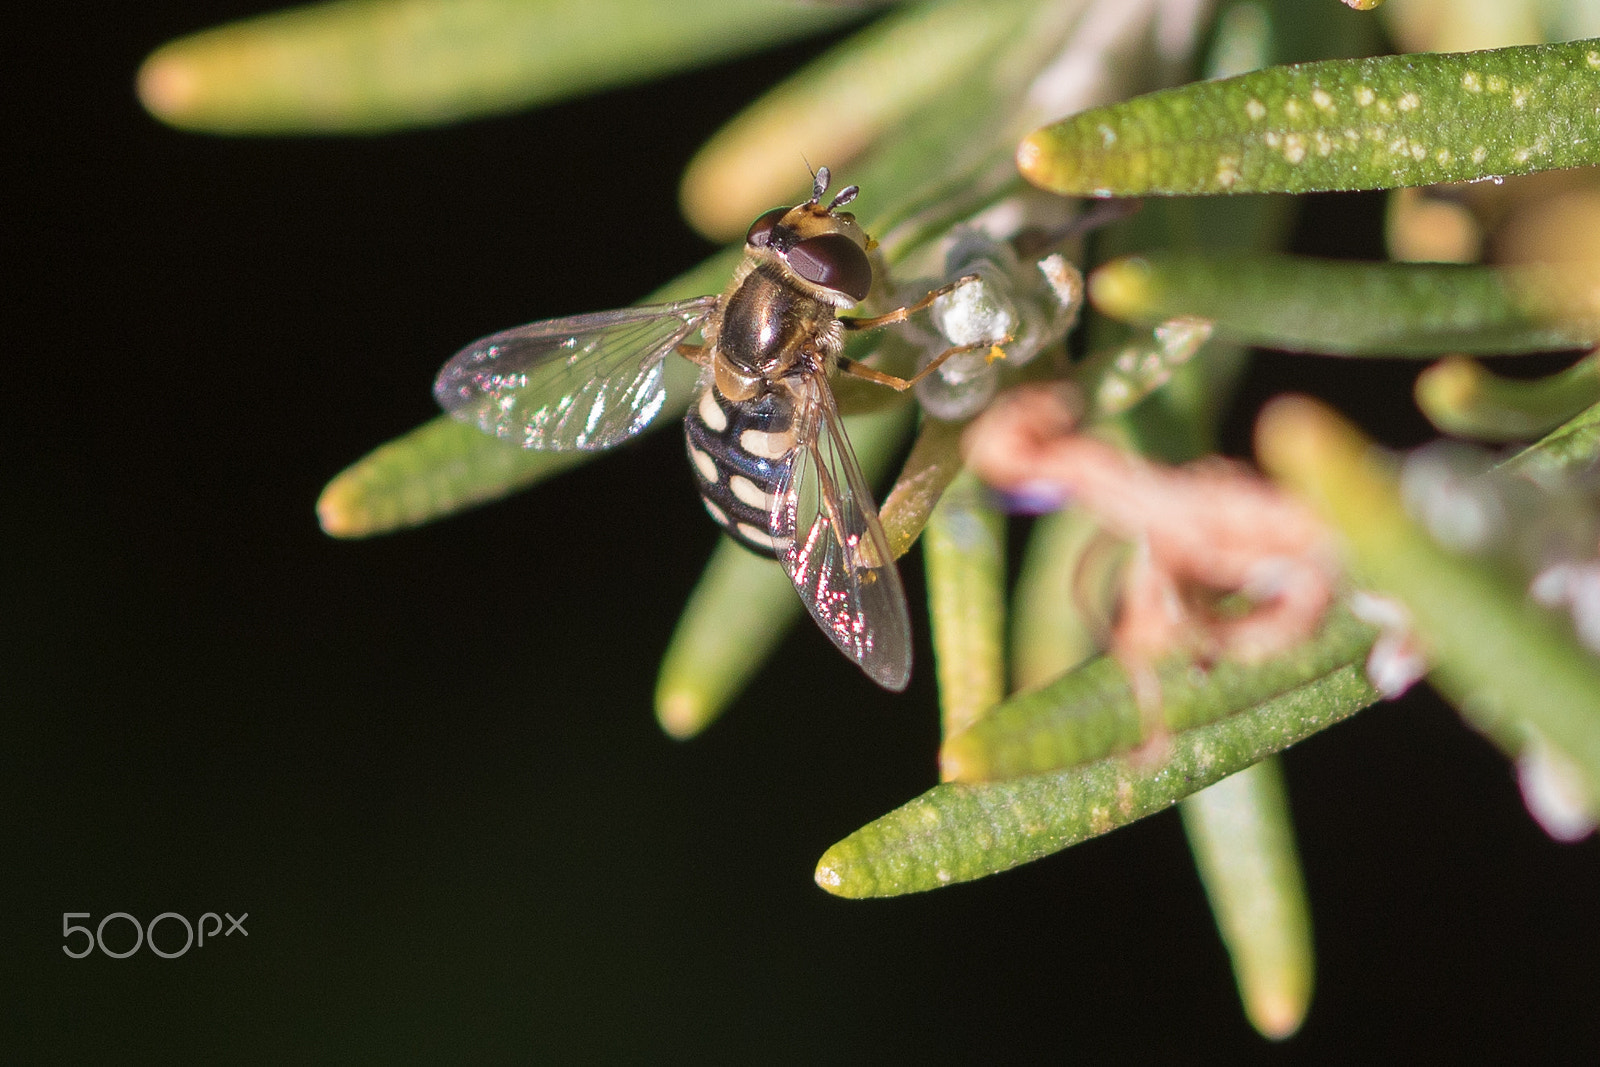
<point>426,765</point>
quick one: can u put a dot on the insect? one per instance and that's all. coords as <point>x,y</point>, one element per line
<point>769,454</point>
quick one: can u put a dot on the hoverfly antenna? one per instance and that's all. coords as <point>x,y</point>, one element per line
<point>819,184</point>
<point>847,194</point>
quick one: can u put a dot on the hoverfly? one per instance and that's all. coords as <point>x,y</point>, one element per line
<point>769,454</point>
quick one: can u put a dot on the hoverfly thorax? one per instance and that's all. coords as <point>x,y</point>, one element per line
<point>802,266</point>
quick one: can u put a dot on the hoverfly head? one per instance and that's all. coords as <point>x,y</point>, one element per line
<point>821,245</point>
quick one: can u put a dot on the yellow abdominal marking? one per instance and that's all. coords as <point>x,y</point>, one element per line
<point>704,464</point>
<point>749,492</point>
<point>711,413</point>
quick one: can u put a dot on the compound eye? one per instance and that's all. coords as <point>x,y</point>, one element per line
<point>835,262</point>
<point>761,229</point>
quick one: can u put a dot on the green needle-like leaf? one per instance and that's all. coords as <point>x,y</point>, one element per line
<point>957,831</point>
<point>934,462</point>
<point>441,467</point>
<point>1501,658</point>
<point>445,466</point>
<point>1049,631</point>
<point>739,611</point>
<point>1345,308</point>
<point>1463,398</point>
<point>366,66</point>
<point>744,604</point>
<point>1091,713</point>
<point>964,549</point>
<point>1338,124</point>
<point>1243,844</point>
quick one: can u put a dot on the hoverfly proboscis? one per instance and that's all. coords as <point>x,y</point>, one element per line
<point>768,450</point>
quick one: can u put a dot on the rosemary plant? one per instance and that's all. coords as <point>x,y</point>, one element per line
<point>983,132</point>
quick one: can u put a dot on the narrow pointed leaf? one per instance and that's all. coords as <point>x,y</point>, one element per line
<point>741,608</point>
<point>1501,658</point>
<point>958,831</point>
<point>1300,304</point>
<point>1091,712</point>
<point>366,66</point>
<point>1243,843</point>
<point>1338,124</point>
<point>934,462</point>
<point>442,466</point>
<point>1049,631</point>
<point>964,551</point>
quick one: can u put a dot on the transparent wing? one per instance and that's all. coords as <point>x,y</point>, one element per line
<point>830,541</point>
<point>584,382</point>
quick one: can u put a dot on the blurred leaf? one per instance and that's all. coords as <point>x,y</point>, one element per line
<point>1501,658</point>
<point>934,462</point>
<point>951,158</point>
<point>741,608</point>
<point>1337,124</point>
<point>1243,843</point>
<point>840,104</point>
<point>1091,712</point>
<point>964,551</point>
<point>1344,308</point>
<point>1049,632</point>
<point>368,66</point>
<point>1118,380</point>
<point>958,831</point>
<point>1463,398</point>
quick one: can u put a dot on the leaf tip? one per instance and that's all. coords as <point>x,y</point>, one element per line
<point>1121,288</point>
<point>960,760</point>
<point>1293,435</point>
<point>342,510</point>
<point>168,86</point>
<point>828,876</point>
<point>1277,1014</point>
<point>1059,159</point>
<point>1448,386</point>
<point>682,712</point>
<point>1030,156</point>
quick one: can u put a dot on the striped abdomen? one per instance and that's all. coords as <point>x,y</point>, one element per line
<point>739,453</point>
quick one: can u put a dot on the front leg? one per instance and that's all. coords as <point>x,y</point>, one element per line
<point>900,385</point>
<point>900,314</point>
<point>699,354</point>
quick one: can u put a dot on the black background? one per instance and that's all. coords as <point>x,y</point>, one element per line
<point>425,765</point>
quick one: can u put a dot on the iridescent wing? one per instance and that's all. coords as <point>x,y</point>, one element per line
<point>584,382</point>
<point>831,544</point>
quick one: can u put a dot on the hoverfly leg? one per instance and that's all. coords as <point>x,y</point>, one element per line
<point>900,385</point>
<point>697,354</point>
<point>900,314</point>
